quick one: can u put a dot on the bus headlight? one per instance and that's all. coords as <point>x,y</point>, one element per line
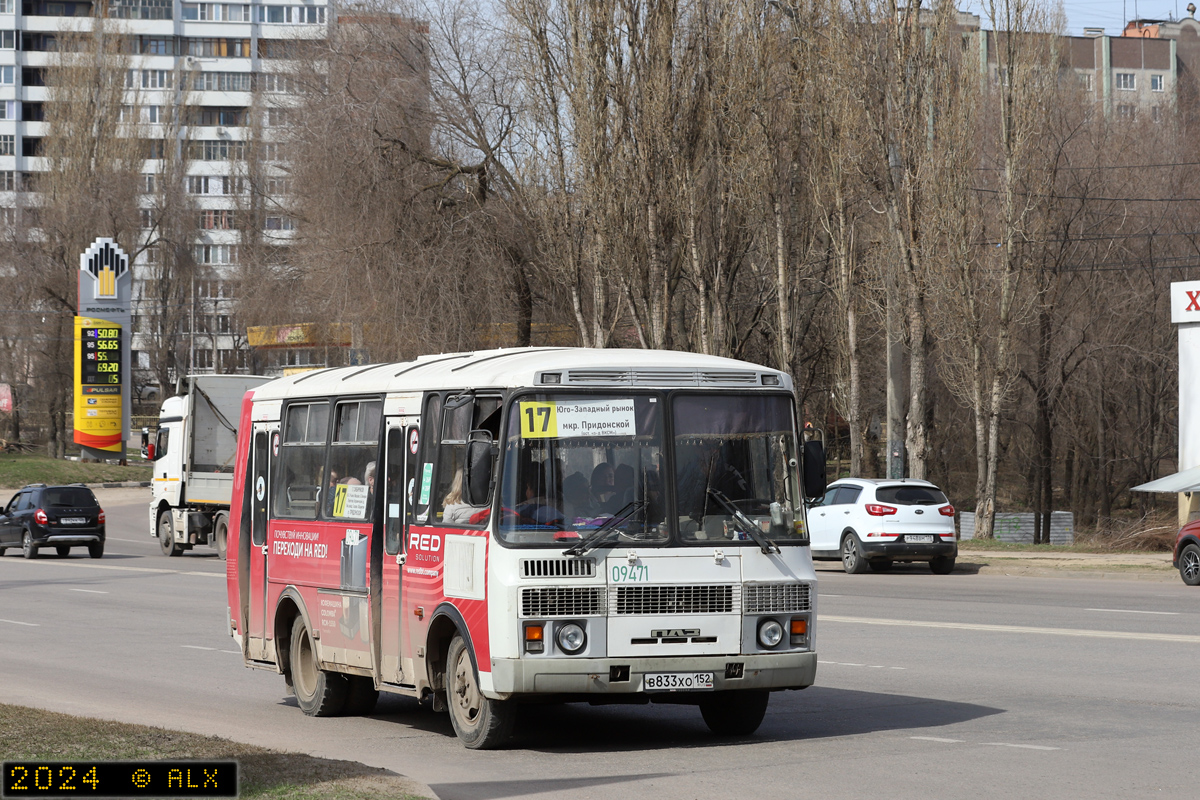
<point>571,638</point>
<point>770,633</point>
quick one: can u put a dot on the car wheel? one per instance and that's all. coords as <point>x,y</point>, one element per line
<point>1189,565</point>
<point>361,695</point>
<point>881,565</point>
<point>27,547</point>
<point>942,565</point>
<point>481,723</point>
<point>853,560</point>
<point>96,549</point>
<point>3,550</point>
<point>735,713</point>
<point>319,693</point>
<point>166,536</point>
<point>221,534</point>
<point>62,550</point>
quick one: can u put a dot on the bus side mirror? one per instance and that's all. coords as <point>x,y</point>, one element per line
<point>814,469</point>
<point>477,468</point>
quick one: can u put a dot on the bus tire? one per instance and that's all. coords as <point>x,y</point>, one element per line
<point>361,696</point>
<point>221,536</point>
<point>319,693</point>
<point>166,535</point>
<point>479,722</point>
<point>735,713</point>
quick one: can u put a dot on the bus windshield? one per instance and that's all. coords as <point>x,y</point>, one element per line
<point>735,460</point>
<point>574,462</point>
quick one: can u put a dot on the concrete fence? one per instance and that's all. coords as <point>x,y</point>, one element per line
<point>1018,528</point>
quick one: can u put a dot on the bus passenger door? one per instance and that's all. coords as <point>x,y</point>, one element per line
<point>400,468</point>
<point>259,473</point>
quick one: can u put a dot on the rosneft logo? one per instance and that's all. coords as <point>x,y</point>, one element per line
<point>106,263</point>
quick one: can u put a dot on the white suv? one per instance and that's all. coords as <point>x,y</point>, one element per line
<point>867,522</point>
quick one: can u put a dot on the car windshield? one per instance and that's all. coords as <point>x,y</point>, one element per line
<point>735,454</point>
<point>573,462</point>
<point>910,495</point>
<point>69,497</point>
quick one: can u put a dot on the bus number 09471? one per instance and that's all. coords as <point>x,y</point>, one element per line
<point>625,574</point>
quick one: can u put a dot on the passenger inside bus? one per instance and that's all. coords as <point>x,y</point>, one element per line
<point>455,510</point>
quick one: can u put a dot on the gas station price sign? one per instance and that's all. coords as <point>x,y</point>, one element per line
<point>99,383</point>
<point>100,362</point>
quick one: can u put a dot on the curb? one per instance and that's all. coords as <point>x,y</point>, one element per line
<point>120,485</point>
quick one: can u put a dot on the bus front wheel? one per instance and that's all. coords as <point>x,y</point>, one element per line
<point>735,713</point>
<point>319,693</point>
<point>479,722</point>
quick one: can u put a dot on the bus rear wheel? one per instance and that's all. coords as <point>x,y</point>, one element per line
<point>479,722</point>
<point>319,693</point>
<point>735,713</point>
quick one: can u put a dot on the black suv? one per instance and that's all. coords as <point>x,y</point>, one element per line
<point>61,517</point>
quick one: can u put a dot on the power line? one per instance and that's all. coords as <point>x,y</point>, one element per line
<point>1098,199</point>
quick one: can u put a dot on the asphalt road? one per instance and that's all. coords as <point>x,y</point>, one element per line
<point>928,687</point>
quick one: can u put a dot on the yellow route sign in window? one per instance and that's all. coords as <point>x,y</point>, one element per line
<point>538,420</point>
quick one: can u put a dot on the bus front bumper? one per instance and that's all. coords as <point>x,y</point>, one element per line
<point>513,676</point>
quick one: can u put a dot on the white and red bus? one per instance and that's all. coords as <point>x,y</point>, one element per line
<point>478,529</point>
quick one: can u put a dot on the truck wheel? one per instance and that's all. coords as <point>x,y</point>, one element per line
<point>481,723</point>
<point>319,693</point>
<point>221,535</point>
<point>735,713</point>
<point>361,696</point>
<point>166,535</point>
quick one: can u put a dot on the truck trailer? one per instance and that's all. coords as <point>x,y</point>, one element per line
<point>193,454</point>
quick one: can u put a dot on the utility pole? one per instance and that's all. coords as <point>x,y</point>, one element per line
<point>895,385</point>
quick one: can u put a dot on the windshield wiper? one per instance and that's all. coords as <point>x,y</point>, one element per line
<point>744,522</point>
<point>596,537</point>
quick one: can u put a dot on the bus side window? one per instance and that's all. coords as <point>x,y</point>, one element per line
<point>423,488</point>
<point>302,460</point>
<point>350,487</point>
<point>397,452</point>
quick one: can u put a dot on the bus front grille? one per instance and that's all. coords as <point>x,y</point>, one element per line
<point>558,568</point>
<point>651,600</point>
<point>776,598</point>
<point>562,601</point>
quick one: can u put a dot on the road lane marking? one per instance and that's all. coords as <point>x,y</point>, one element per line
<point>1132,611</point>
<point>233,652</point>
<point>26,624</point>
<point>868,666</point>
<point>89,591</point>
<point>196,647</point>
<point>84,565</point>
<point>937,739</point>
<point>966,626</point>
<point>1022,746</point>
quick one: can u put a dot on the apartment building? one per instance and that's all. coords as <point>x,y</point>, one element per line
<point>218,56</point>
<point>1149,72</point>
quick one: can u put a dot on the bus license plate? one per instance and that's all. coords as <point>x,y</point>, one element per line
<point>926,539</point>
<point>677,682</point>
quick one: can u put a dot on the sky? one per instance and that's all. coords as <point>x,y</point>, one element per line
<point>1108,14</point>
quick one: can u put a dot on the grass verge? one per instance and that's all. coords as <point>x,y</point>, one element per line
<point>30,733</point>
<point>19,469</point>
